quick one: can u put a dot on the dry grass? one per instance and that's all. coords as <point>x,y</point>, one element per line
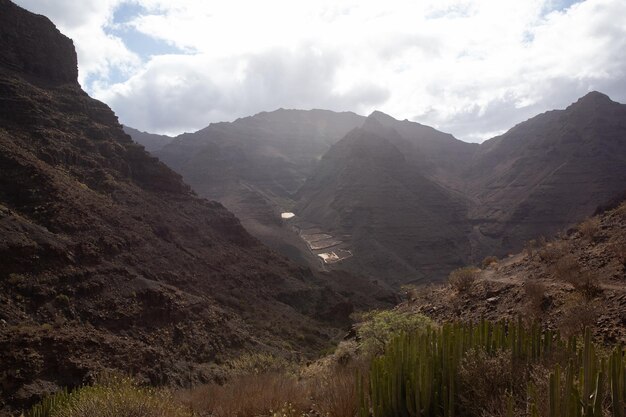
<point>331,392</point>
<point>589,229</point>
<point>488,261</point>
<point>249,396</point>
<point>621,210</point>
<point>463,279</point>
<point>530,248</point>
<point>335,395</point>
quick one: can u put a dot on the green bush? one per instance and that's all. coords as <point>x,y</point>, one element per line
<point>378,327</point>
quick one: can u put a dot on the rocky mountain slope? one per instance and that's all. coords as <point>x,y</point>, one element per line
<point>254,165</point>
<point>401,224</point>
<point>547,173</point>
<point>577,279</point>
<point>108,260</point>
<point>150,141</point>
<point>460,202</point>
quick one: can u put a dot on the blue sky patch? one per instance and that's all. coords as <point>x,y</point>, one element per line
<point>143,45</point>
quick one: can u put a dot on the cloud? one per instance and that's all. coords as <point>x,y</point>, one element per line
<point>185,92</point>
<point>473,68</point>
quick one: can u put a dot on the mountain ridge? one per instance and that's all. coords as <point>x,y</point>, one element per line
<point>513,187</point>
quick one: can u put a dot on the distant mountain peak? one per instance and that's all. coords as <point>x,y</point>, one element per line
<point>381,117</point>
<point>592,99</point>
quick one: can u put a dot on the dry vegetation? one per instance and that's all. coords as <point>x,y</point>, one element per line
<point>250,395</point>
<point>462,279</point>
<point>537,299</point>
<point>489,261</point>
<point>489,379</point>
<point>589,228</point>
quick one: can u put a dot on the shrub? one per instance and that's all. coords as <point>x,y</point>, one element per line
<point>585,282</point>
<point>63,300</point>
<point>336,394</point>
<point>536,297</point>
<point>463,279</point>
<point>529,248</point>
<point>577,316</point>
<point>488,261</point>
<point>111,396</point>
<point>249,395</point>
<point>410,292</point>
<point>553,251</point>
<point>378,327</point>
<point>588,285</point>
<point>485,383</point>
<point>346,352</point>
<point>566,269</point>
<point>589,228</point>
<point>258,363</point>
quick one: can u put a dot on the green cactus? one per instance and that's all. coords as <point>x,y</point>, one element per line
<point>418,374</point>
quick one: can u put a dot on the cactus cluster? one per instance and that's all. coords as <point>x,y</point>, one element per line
<point>579,390</point>
<point>50,403</point>
<point>418,374</point>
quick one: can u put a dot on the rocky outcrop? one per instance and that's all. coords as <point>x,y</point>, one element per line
<point>33,47</point>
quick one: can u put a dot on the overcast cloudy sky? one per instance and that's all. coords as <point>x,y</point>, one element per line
<point>473,68</point>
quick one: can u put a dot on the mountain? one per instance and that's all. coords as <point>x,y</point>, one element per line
<point>376,188</point>
<point>547,173</point>
<point>577,279</point>
<point>150,141</point>
<point>108,260</point>
<point>439,156</point>
<point>413,202</point>
<point>255,164</point>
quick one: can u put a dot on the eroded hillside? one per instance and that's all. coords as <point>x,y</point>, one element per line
<point>572,281</point>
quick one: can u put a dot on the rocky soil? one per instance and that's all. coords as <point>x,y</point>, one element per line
<point>544,283</point>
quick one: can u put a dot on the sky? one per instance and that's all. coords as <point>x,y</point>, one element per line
<point>473,68</point>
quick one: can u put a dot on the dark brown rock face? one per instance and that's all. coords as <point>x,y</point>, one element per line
<point>109,261</point>
<point>21,35</point>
